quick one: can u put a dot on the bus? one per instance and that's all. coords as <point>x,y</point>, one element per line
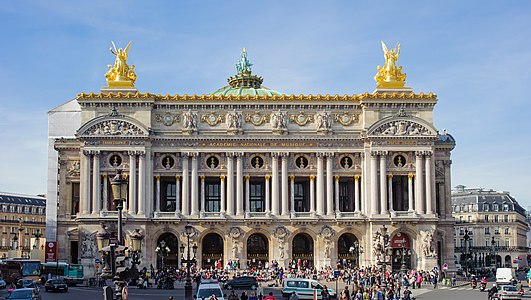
<point>18,268</point>
<point>71,273</point>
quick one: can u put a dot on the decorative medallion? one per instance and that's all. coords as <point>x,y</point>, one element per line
<point>167,119</point>
<point>280,232</point>
<point>235,232</point>
<point>327,232</point>
<point>399,161</point>
<point>212,162</point>
<point>301,118</point>
<point>347,119</point>
<point>256,118</point>
<point>168,162</point>
<point>301,162</point>
<point>257,162</point>
<point>212,119</point>
<point>346,162</point>
<point>115,160</point>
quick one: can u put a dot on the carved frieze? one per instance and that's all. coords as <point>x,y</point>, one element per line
<point>167,119</point>
<point>114,127</point>
<point>256,118</point>
<point>346,118</point>
<point>212,119</point>
<point>73,168</point>
<point>401,128</point>
<point>301,118</point>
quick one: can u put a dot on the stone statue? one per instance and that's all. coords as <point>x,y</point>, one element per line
<point>428,244</point>
<point>88,246</point>
<point>327,249</point>
<point>121,72</point>
<point>235,250</point>
<point>74,168</point>
<point>390,73</point>
<point>278,120</point>
<point>281,248</point>
<point>234,120</point>
<point>323,120</point>
<point>190,121</point>
<point>244,65</point>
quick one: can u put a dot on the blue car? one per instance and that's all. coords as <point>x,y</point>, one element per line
<point>24,294</point>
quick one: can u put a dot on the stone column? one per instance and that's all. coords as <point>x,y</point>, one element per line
<point>429,184</point>
<point>292,193</point>
<point>177,195</point>
<point>186,186</point>
<point>390,191</point>
<point>419,184</point>
<point>336,193</point>
<point>374,183</point>
<point>142,183</point>
<point>157,194</point>
<point>284,185</point>
<point>203,199</point>
<point>230,184</point>
<point>383,182</point>
<point>312,194</point>
<point>223,206</point>
<point>132,183</point>
<point>329,185</point>
<point>320,185</point>
<point>96,184</point>
<point>85,182</point>
<point>194,187</point>
<point>410,191</point>
<point>247,194</point>
<point>267,195</point>
<point>274,185</point>
<point>105,193</point>
<point>357,201</point>
<point>239,185</point>
<point>149,185</point>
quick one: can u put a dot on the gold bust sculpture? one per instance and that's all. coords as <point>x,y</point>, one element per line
<point>390,76</point>
<point>120,75</point>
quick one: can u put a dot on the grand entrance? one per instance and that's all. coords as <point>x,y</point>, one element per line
<point>302,250</point>
<point>167,250</point>
<point>212,250</point>
<point>257,250</point>
<point>401,245</point>
<point>348,250</point>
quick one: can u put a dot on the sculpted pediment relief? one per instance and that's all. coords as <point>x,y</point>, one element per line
<point>112,127</point>
<point>402,127</point>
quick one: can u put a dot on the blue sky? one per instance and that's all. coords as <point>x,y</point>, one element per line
<point>475,55</point>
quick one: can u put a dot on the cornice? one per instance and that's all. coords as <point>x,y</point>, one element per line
<point>280,98</point>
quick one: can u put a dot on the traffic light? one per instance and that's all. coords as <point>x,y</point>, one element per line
<point>122,262</point>
<point>108,262</point>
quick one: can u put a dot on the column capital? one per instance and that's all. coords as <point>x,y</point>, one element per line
<point>229,154</point>
<point>336,177</point>
<point>356,177</point>
<point>312,177</point>
<point>247,177</point>
<point>329,154</point>
<point>177,177</point>
<point>283,154</point>
<point>157,177</point>
<point>320,154</point>
<point>222,177</point>
<point>389,176</point>
<point>410,176</point>
<point>292,177</point>
<point>419,153</point>
<point>428,154</point>
<point>267,177</point>
<point>202,177</point>
<point>105,176</point>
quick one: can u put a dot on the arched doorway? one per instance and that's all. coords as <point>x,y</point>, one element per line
<point>212,250</point>
<point>257,250</point>
<point>348,251</point>
<point>401,244</point>
<point>302,250</point>
<point>167,250</point>
<point>508,262</point>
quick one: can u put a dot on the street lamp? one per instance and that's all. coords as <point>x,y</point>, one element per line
<point>37,236</point>
<point>403,267</point>
<point>119,192</point>
<point>493,252</point>
<point>355,250</point>
<point>466,238</point>
<point>15,240</point>
<point>188,231</point>
<point>162,250</point>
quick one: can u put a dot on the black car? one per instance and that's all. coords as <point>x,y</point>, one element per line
<point>244,282</point>
<point>55,285</point>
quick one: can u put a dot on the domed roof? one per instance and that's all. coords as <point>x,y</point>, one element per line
<point>244,83</point>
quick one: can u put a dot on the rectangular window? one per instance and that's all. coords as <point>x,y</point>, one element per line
<point>506,230</point>
<point>505,218</point>
<point>301,198</point>
<point>486,218</point>
<point>346,203</point>
<point>506,207</point>
<point>400,193</point>
<point>495,206</point>
<point>169,196</point>
<point>75,199</point>
<point>487,230</point>
<point>507,242</point>
<point>485,207</point>
<point>461,231</point>
<point>212,196</point>
<point>469,219</point>
<point>496,230</point>
<point>257,196</point>
<point>496,218</point>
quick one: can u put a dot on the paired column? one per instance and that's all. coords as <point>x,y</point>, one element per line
<point>274,185</point>
<point>390,191</point>
<point>132,183</point>
<point>177,194</point>
<point>292,193</point>
<point>194,187</point>
<point>312,194</point>
<point>357,201</point>
<point>410,191</point>
<point>105,193</point>
<point>284,186</point>
<point>336,193</point>
<point>247,193</point>
<point>383,182</point>
<point>320,185</point>
<point>329,185</point>
<point>419,183</point>
<point>186,181</point>
<point>157,193</point>
<point>96,187</point>
<point>374,183</point>
<point>430,191</point>
<point>142,183</point>
<point>203,202</point>
<point>85,184</point>
<point>267,195</point>
<point>239,185</point>
<point>230,184</point>
<point>223,208</point>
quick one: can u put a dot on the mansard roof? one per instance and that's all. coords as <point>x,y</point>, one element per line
<point>480,197</point>
<point>10,198</point>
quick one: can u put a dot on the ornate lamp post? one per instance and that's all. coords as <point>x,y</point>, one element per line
<point>37,236</point>
<point>15,241</point>
<point>493,252</point>
<point>355,250</point>
<point>162,250</point>
<point>119,192</point>
<point>404,252</point>
<point>188,231</point>
<point>467,239</point>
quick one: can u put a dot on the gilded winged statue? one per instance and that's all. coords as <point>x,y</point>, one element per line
<point>390,75</point>
<point>120,72</point>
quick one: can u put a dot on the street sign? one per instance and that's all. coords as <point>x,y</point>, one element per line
<point>97,261</point>
<point>445,266</point>
<point>337,273</point>
<point>51,252</point>
<point>436,269</point>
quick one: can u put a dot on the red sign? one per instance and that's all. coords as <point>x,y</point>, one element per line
<point>51,252</point>
<point>400,240</point>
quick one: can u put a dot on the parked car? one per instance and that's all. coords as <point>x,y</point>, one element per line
<point>3,284</point>
<point>509,292</point>
<point>206,290</point>
<point>24,294</point>
<point>243,282</point>
<point>56,285</point>
<point>304,288</point>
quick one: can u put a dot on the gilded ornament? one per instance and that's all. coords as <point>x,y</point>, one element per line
<point>346,119</point>
<point>167,119</point>
<point>256,119</point>
<point>390,76</point>
<point>120,75</point>
<point>301,118</point>
<point>212,119</point>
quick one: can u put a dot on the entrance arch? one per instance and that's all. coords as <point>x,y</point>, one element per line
<point>401,244</point>
<point>212,250</point>
<point>302,250</point>
<point>257,250</point>
<point>348,250</point>
<point>167,250</point>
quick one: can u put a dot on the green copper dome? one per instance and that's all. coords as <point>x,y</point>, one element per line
<point>244,83</point>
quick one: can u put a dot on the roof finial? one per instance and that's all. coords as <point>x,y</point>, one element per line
<point>244,65</point>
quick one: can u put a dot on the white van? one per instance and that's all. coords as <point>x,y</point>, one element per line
<point>505,276</point>
<point>207,289</point>
<point>304,288</point>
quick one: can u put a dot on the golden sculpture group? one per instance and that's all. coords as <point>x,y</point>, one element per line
<point>390,76</point>
<point>121,75</point>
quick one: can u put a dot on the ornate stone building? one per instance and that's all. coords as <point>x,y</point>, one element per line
<point>260,175</point>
